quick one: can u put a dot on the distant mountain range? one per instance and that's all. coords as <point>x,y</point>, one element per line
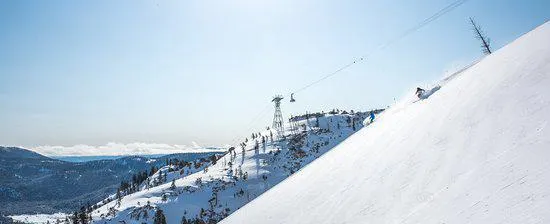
<point>79,159</point>
<point>31,183</point>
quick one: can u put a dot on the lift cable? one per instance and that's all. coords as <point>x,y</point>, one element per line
<point>406,33</point>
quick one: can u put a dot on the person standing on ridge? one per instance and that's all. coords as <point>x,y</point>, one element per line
<point>371,116</point>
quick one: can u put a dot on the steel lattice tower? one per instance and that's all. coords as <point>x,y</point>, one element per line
<point>278,117</point>
<point>294,129</point>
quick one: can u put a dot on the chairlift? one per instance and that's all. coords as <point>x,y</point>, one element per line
<point>292,98</point>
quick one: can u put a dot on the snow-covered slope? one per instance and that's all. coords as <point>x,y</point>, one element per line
<point>475,151</point>
<point>214,190</point>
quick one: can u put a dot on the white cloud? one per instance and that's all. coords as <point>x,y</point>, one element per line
<point>115,149</point>
<point>195,144</point>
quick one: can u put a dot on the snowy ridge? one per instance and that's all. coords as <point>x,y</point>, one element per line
<point>216,188</point>
<point>476,151</point>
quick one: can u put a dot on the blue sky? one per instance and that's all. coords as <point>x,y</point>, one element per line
<point>174,72</point>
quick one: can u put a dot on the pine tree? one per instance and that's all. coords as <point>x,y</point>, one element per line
<point>118,197</point>
<point>201,214</point>
<point>184,220</point>
<point>145,214</point>
<point>74,218</point>
<point>173,186</point>
<point>83,217</point>
<point>153,171</point>
<point>159,178</point>
<point>485,41</point>
<point>159,217</point>
<point>316,122</point>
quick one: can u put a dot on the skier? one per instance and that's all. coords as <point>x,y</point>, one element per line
<point>419,92</point>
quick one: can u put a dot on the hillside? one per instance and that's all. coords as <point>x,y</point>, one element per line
<point>31,183</point>
<point>15,152</point>
<point>475,151</point>
<point>185,192</point>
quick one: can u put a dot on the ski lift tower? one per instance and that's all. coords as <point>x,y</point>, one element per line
<point>278,124</point>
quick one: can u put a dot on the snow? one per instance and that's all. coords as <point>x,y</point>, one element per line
<point>475,151</point>
<point>39,218</point>
<point>235,179</point>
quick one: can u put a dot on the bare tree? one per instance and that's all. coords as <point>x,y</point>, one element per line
<point>485,41</point>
